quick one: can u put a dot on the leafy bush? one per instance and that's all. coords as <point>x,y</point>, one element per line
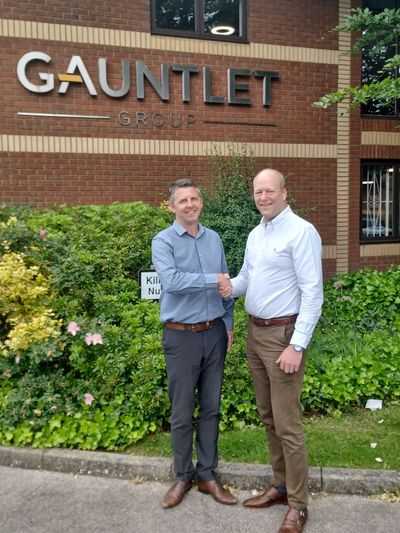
<point>24,316</point>
<point>368,299</point>
<point>100,382</point>
<point>86,261</point>
<point>229,207</point>
<point>354,353</point>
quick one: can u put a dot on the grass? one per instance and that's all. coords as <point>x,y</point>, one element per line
<point>339,441</point>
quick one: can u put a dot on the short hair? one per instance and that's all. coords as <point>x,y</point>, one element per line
<point>180,184</point>
<point>282,179</point>
<point>280,176</point>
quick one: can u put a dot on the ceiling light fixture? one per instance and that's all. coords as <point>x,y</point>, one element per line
<point>222,30</point>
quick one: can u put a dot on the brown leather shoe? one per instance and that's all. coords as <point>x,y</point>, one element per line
<point>294,521</point>
<point>271,496</point>
<point>175,494</point>
<point>218,492</point>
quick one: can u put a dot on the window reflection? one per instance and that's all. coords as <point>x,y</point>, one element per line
<point>373,60</point>
<point>219,13</point>
<point>216,19</point>
<point>175,14</point>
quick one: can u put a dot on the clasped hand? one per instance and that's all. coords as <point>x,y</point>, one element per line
<point>224,285</point>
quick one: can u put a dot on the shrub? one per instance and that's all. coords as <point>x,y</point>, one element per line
<point>89,258</point>
<point>24,316</point>
<point>229,207</point>
<point>100,382</point>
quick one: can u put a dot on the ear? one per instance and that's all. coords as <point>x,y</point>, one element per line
<point>171,208</point>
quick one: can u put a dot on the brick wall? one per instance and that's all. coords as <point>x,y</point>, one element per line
<point>287,36</point>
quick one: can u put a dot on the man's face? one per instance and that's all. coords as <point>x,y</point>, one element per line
<point>186,204</point>
<point>269,198</point>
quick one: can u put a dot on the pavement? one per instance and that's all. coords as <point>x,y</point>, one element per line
<point>242,476</point>
<point>64,491</point>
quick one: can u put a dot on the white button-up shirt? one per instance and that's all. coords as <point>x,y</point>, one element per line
<point>282,273</point>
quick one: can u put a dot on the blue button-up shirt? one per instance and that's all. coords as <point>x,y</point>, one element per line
<point>187,267</point>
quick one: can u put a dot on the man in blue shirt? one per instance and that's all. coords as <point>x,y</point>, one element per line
<point>198,323</point>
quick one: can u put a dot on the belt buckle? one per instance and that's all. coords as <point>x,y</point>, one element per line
<point>268,321</point>
<point>194,327</point>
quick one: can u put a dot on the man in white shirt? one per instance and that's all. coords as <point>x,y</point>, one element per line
<point>281,279</point>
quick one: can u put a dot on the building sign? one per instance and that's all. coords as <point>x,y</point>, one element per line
<point>150,285</point>
<point>237,91</point>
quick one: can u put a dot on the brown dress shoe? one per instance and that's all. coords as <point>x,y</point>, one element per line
<point>218,492</point>
<point>294,521</point>
<point>176,493</point>
<point>271,496</point>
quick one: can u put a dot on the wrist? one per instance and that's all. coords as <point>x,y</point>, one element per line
<point>297,348</point>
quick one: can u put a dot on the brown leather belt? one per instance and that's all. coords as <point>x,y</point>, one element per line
<point>279,321</point>
<point>195,328</point>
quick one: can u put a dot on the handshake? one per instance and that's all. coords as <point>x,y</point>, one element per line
<point>224,285</point>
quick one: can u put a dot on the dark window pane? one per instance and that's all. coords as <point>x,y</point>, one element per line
<point>175,15</point>
<point>222,13</point>
<point>374,59</point>
<point>380,5</point>
<point>371,66</point>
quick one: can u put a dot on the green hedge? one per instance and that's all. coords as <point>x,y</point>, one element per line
<point>104,385</point>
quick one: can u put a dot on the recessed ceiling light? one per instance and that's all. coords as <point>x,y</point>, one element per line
<point>222,30</point>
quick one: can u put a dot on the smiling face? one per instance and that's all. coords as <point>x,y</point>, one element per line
<point>186,203</point>
<point>269,194</point>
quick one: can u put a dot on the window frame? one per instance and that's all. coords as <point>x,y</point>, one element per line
<point>396,202</point>
<point>199,25</point>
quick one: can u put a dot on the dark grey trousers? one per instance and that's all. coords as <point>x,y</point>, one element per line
<point>195,364</point>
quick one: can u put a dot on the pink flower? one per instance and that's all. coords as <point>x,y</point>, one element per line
<point>73,328</point>
<point>93,338</point>
<point>97,338</point>
<point>88,398</point>
<point>42,233</point>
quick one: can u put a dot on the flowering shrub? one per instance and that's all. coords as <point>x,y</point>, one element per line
<point>92,374</point>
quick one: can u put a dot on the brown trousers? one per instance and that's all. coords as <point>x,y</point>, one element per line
<point>278,403</point>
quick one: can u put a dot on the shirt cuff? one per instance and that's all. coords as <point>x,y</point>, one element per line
<point>234,289</point>
<point>228,323</point>
<point>210,281</point>
<point>299,340</point>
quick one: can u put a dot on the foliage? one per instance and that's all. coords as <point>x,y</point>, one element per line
<point>101,381</point>
<point>379,33</point>
<point>24,316</point>
<point>84,263</point>
<point>229,207</point>
<point>354,354</point>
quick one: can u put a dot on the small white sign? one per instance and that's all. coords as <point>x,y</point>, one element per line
<point>150,285</point>
<point>373,404</point>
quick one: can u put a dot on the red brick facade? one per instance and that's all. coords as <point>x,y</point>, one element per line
<point>94,161</point>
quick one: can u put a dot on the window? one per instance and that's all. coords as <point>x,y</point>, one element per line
<point>380,201</point>
<point>372,63</point>
<point>206,19</point>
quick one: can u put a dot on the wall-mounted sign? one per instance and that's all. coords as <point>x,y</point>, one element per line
<point>77,73</point>
<point>150,285</point>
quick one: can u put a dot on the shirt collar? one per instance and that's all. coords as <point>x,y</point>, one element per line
<point>275,222</point>
<point>180,230</point>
